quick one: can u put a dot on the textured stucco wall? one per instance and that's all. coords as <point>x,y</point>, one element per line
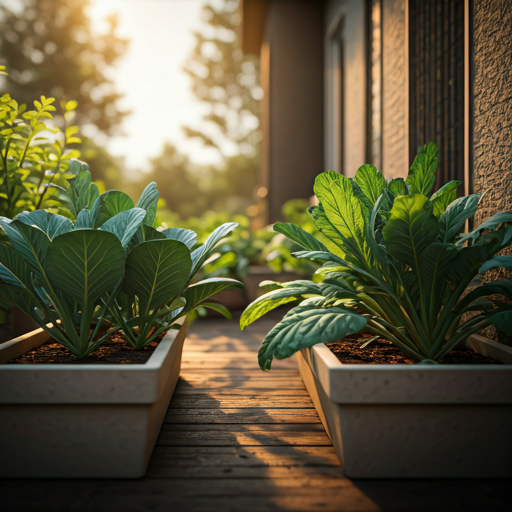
<point>395,154</point>
<point>493,116</point>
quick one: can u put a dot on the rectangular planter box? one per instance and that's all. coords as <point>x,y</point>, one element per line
<point>415,421</point>
<point>83,421</point>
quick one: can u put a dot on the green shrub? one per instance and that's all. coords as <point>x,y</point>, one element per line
<point>395,264</point>
<point>34,154</point>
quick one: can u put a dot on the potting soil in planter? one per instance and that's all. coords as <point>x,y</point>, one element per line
<point>116,350</point>
<point>351,350</point>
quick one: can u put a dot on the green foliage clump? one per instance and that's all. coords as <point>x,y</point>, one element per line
<point>51,49</point>
<point>34,154</point>
<point>395,264</point>
<point>107,264</point>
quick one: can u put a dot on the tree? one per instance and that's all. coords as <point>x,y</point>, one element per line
<point>227,80</point>
<point>49,49</point>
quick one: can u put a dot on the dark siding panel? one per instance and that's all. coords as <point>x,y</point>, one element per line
<point>436,81</point>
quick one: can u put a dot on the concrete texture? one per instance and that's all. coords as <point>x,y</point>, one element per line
<point>85,421</point>
<point>493,119</point>
<point>388,421</point>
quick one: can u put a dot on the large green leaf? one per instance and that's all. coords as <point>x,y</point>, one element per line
<point>22,299</point>
<point>398,187</point>
<point>109,205</point>
<point>497,261</point>
<point>306,328</point>
<point>276,298</point>
<point>187,236</point>
<point>149,201</point>
<point>344,211</point>
<point>299,236</point>
<point>28,241</point>
<point>421,176</point>
<point>466,263</point>
<point>156,271</point>
<point>199,292</point>
<point>85,264</point>
<point>52,224</point>
<point>502,320</point>
<point>84,220</point>
<point>433,262</point>
<point>125,224</point>
<point>13,269</point>
<point>83,192</point>
<point>319,256</point>
<point>501,287</point>
<point>489,224</point>
<point>334,241</point>
<point>371,182</point>
<point>223,310</point>
<point>201,254</point>
<point>444,196</point>
<point>411,229</point>
<point>455,216</point>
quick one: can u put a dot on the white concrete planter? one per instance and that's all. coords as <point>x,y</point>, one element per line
<point>404,421</point>
<point>83,421</point>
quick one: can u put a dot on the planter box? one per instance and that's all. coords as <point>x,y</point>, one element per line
<point>17,324</point>
<point>83,421</point>
<point>391,421</point>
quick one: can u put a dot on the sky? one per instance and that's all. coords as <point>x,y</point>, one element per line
<point>156,89</point>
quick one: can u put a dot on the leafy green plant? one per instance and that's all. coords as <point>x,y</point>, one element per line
<point>395,264</point>
<point>34,154</point>
<point>247,247</point>
<point>109,263</point>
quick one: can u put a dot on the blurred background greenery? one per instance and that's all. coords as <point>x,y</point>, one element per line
<point>55,48</point>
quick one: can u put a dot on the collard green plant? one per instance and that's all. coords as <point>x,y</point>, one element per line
<point>108,264</point>
<point>395,264</point>
<point>34,154</point>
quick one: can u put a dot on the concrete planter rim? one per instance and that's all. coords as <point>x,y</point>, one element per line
<point>107,416</point>
<point>71,383</point>
<point>412,421</point>
<point>388,383</point>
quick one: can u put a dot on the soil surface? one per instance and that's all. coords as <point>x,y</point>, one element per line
<point>116,350</point>
<point>380,351</point>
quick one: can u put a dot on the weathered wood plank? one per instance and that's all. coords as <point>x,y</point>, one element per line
<point>158,470</point>
<point>231,456</point>
<point>286,434</point>
<point>240,379</point>
<point>183,389</point>
<point>247,415</point>
<point>234,363</point>
<point>219,401</point>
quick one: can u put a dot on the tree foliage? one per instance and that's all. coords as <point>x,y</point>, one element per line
<point>227,80</point>
<point>49,49</point>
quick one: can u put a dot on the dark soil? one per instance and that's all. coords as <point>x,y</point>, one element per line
<point>116,350</point>
<point>381,351</point>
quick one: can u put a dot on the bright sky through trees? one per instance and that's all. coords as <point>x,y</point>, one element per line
<point>156,89</point>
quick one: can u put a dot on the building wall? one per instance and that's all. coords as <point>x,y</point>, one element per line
<point>292,120</point>
<point>492,128</point>
<point>395,121</point>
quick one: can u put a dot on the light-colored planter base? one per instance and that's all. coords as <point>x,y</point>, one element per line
<point>415,422</point>
<point>95,421</point>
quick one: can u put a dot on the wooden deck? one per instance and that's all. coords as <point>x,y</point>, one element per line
<point>238,439</point>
